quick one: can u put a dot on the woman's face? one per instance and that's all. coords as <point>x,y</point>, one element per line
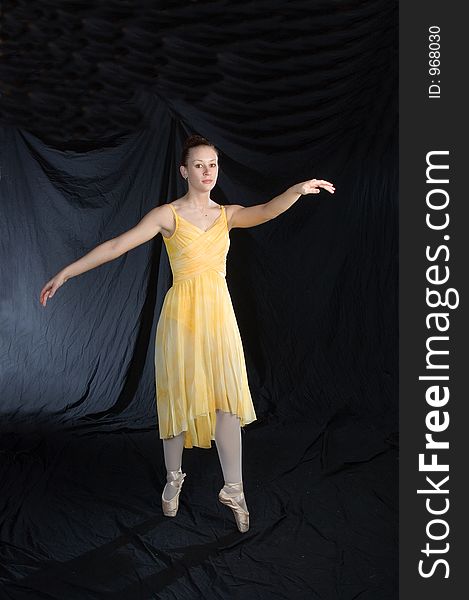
<point>202,168</point>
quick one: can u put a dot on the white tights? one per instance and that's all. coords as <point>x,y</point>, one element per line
<point>229,448</point>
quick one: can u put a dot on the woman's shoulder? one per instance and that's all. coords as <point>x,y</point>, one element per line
<point>175,203</point>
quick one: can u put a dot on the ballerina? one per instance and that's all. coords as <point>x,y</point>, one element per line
<point>201,383</point>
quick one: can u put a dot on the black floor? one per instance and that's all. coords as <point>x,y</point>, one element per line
<point>81,517</point>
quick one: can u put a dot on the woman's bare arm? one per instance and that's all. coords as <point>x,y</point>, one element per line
<point>150,225</point>
<point>145,230</point>
<point>249,216</point>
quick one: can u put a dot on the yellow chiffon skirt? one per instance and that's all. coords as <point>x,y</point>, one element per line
<point>199,360</point>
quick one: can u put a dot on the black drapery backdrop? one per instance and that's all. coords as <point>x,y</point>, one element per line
<point>96,102</point>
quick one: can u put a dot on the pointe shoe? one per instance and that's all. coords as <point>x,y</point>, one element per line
<point>233,501</point>
<point>176,479</point>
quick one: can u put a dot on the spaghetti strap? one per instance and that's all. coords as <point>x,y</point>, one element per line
<point>176,222</point>
<point>173,209</point>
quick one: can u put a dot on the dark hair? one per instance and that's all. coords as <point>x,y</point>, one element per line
<point>191,142</point>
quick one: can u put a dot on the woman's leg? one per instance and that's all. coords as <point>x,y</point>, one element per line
<point>229,447</point>
<point>173,448</point>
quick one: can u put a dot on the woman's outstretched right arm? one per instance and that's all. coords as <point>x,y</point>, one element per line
<point>151,224</point>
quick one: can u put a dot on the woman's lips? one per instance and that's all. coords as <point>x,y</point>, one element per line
<point>206,181</point>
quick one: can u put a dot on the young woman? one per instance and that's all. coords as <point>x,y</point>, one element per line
<point>202,387</point>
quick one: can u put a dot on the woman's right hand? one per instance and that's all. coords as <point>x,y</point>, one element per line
<point>51,287</point>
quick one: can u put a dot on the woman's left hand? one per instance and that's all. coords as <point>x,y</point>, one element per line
<point>313,186</point>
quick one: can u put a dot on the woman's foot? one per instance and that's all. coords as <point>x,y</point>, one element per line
<point>232,495</point>
<point>170,495</point>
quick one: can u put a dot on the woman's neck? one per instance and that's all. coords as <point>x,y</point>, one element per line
<point>199,200</point>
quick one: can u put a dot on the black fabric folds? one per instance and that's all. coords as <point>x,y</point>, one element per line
<point>96,101</point>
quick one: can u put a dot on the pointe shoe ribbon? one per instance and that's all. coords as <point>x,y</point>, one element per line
<point>232,501</point>
<point>176,479</point>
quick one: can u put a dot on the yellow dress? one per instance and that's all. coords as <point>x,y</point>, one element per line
<point>199,358</point>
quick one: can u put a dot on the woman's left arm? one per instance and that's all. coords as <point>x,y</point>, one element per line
<point>249,216</point>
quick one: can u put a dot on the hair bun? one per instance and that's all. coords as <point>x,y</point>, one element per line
<point>194,139</point>
<point>191,142</point>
